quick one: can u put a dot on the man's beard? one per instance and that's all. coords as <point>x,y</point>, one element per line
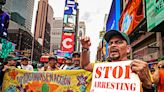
<point>116,54</point>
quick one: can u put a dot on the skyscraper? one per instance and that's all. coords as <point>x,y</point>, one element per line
<point>56,33</point>
<point>48,28</point>
<point>21,12</point>
<point>41,20</point>
<point>81,32</point>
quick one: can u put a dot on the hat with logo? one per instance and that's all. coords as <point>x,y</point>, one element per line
<point>112,33</point>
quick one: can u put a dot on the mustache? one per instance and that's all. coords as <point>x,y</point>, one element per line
<point>113,49</point>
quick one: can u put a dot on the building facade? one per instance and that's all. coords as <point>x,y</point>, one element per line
<point>146,35</point>
<point>19,31</point>
<point>48,29</point>
<point>81,32</point>
<point>41,20</point>
<point>56,33</point>
<point>21,12</point>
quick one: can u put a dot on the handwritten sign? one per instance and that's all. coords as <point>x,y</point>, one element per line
<point>114,77</point>
<point>17,80</point>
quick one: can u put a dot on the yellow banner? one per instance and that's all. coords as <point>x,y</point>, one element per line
<point>17,80</point>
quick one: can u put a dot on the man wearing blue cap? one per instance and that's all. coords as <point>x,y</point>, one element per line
<point>118,49</point>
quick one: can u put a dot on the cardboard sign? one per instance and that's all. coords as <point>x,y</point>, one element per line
<point>114,77</point>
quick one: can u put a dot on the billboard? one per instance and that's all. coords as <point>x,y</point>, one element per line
<point>70,7</point>
<point>154,13</point>
<point>114,15</point>
<point>67,43</point>
<point>63,53</point>
<point>69,23</point>
<point>131,16</point>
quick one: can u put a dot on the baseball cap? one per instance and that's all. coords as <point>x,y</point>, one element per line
<point>8,58</point>
<point>53,57</point>
<point>111,33</point>
<point>68,58</point>
<point>25,58</point>
<point>75,53</point>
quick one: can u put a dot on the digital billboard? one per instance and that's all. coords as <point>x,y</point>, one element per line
<point>154,13</point>
<point>69,23</point>
<point>131,16</point>
<point>70,7</point>
<point>67,43</point>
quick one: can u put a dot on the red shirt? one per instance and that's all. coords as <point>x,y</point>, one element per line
<point>161,80</point>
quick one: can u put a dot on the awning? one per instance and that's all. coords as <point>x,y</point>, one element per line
<point>44,59</point>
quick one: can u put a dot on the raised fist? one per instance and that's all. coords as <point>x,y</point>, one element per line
<point>85,42</point>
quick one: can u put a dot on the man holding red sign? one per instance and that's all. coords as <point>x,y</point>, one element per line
<point>118,49</point>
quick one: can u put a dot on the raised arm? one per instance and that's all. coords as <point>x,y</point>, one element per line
<point>85,57</point>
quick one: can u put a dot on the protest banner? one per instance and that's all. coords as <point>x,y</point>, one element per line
<point>114,77</point>
<point>17,80</point>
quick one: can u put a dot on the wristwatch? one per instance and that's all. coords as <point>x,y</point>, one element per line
<point>85,49</point>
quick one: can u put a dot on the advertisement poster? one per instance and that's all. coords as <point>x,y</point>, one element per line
<point>154,12</point>
<point>69,23</point>
<point>132,15</point>
<point>17,80</point>
<point>70,7</point>
<point>67,42</point>
<point>114,77</point>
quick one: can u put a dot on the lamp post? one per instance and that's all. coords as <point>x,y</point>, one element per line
<point>32,47</point>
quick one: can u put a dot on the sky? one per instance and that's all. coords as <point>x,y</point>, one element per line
<point>92,12</point>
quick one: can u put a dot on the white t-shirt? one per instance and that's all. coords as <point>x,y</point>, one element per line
<point>27,67</point>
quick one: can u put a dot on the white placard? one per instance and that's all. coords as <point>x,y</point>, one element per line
<point>114,77</point>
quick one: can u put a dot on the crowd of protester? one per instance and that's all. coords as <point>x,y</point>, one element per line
<point>12,61</point>
<point>69,63</point>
